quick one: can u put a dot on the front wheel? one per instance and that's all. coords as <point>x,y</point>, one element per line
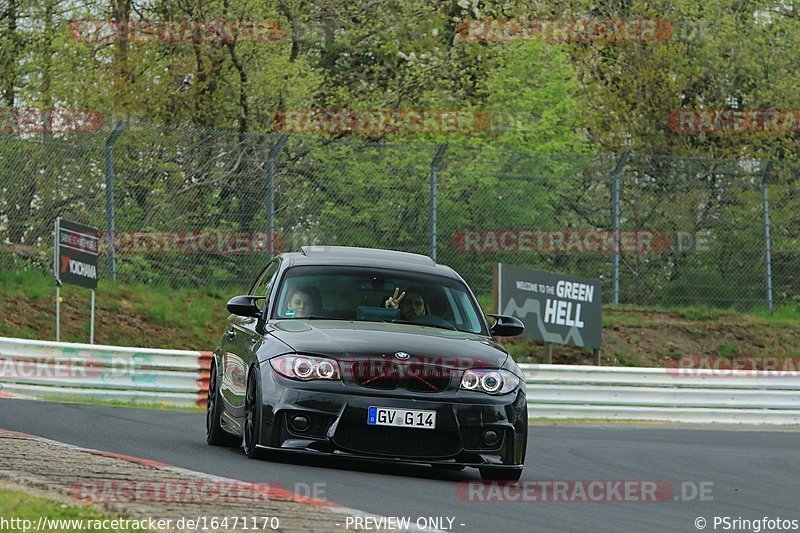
<point>489,473</point>
<point>252,415</point>
<point>215,435</point>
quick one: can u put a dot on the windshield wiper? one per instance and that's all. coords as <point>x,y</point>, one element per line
<point>312,317</point>
<point>400,321</point>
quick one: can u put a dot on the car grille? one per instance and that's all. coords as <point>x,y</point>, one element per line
<point>415,377</point>
<point>376,374</point>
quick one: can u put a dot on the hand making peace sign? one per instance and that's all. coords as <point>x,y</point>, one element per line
<point>394,301</point>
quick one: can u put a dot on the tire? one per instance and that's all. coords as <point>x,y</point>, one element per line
<point>489,473</point>
<point>215,435</point>
<point>252,415</point>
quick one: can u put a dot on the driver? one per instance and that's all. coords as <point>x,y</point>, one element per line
<point>411,303</point>
<point>300,303</point>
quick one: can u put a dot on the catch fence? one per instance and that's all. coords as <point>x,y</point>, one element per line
<point>188,207</point>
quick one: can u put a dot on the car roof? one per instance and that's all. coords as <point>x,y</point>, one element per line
<point>365,253</point>
<point>371,257</point>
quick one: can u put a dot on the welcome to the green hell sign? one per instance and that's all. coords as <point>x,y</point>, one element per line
<point>555,308</point>
<point>560,311</point>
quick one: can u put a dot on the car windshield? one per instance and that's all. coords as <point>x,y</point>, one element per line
<point>377,295</point>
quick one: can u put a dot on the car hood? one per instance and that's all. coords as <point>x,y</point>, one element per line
<point>346,340</point>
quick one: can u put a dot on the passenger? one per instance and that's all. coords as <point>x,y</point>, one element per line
<point>411,303</point>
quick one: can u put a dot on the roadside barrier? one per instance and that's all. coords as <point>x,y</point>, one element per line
<point>60,370</point>
<point>179,378</point>
<point>662,394</point>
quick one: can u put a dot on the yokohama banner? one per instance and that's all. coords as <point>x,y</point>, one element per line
<point>76,255</point>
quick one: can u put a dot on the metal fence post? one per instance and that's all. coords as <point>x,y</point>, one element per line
<point>616,211</point>
<point>767,238</point>
<point>437,159</point>
<point>110,222</point>
<point>271,173</point>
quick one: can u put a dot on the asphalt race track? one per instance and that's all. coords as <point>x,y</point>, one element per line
<point>755,473</point>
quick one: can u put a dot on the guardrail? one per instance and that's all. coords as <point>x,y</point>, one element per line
<point>180,378</point>
<point>60,370</point>
<point>662,394</point>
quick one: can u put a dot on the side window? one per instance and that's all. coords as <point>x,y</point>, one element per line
<point>263,285</point>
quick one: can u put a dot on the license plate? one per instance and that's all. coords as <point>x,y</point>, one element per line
<point>404,418</point>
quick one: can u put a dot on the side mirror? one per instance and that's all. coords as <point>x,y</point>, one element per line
<point>506,326</point>
<point>245,306</point>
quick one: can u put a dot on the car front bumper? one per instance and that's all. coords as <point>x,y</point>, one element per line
<point>336,416</point>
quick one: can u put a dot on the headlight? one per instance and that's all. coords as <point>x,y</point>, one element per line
<point>489,381</point>
<point>305,367</point>
<point>470,380</point>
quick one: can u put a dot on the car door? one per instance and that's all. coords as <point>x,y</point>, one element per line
<point>242,340</point>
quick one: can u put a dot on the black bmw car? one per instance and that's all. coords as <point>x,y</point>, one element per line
<point>372,354</point>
